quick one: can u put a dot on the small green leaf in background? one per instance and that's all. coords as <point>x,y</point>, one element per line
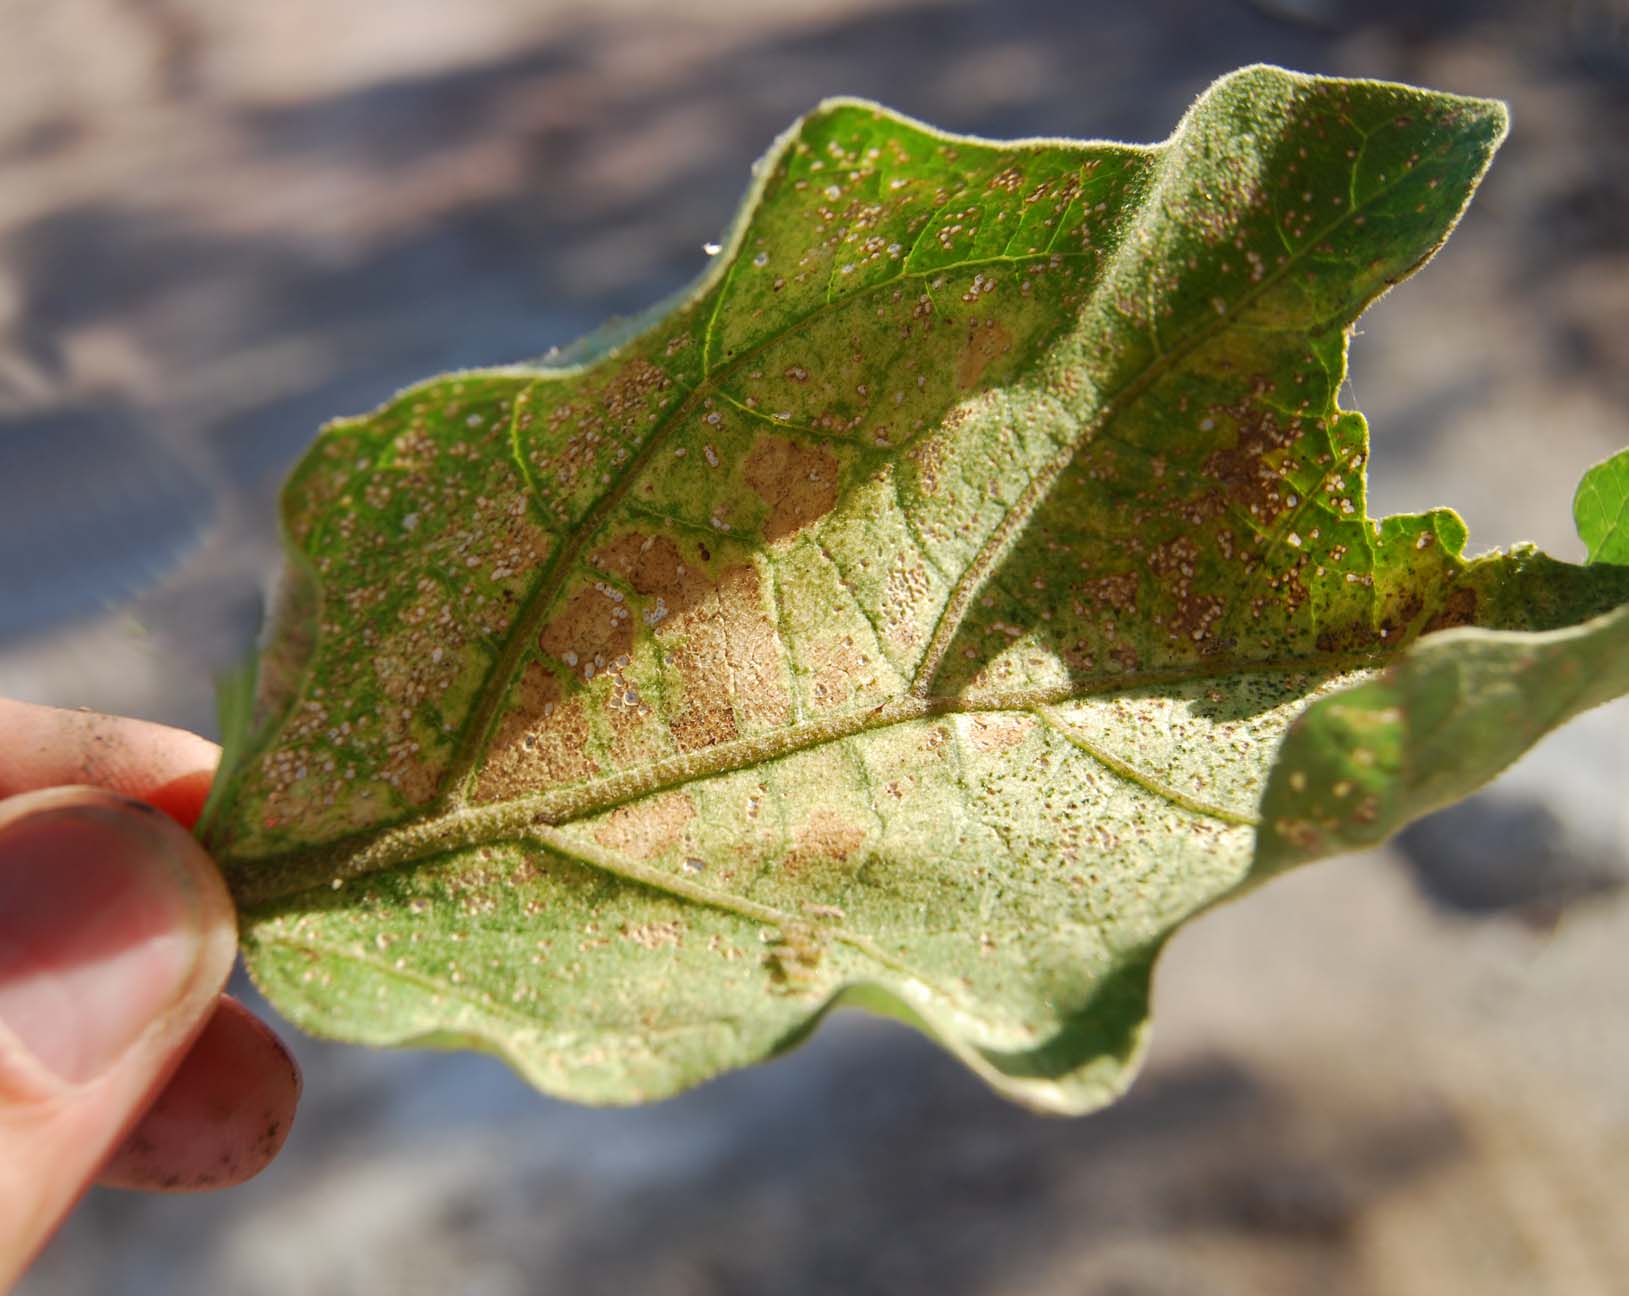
<point>907,617</point>
<point>1601,509</point>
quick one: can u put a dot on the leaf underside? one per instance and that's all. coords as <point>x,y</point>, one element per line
<point>907,618</point>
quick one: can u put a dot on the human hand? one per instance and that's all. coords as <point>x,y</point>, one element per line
<point>120,1060</point>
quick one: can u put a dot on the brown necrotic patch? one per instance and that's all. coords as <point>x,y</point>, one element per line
<point>1459,609</point>
<point>995,733</point>
<point>728,660</point>
<point>837,667</point>
<point>541,743</point>
<point>647,829</point>
<point>798,483</point>
<point>1246,471</point>
<point>986,341</point>
<point>721,655</point>
<point>654,566</point>
<point>591,631</point>
<point>827,838</point>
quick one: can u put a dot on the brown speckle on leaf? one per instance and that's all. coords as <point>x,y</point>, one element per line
<point>654,935</point>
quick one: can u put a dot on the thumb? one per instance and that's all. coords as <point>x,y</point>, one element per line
<point>116,934</point>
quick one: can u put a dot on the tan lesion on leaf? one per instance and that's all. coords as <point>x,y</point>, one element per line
<point>510,537</point>
<point>716,637</point>
<point>727,655</point>
<point>541,742</point>
<point>654,567</point>
<point>593,629</point>
<point>997,733</point>
<point>793,958</point>
<point>1188,613</point>
<point>425,651</point>
<point>826,838</point>
<point>649,828</point>
<point>704,716</point>
<point>799,483</point>
<point>752,647</point>
<point>987,340</point>
<point>837,668</point>
<point>630,391</point>
<point>927,457</point>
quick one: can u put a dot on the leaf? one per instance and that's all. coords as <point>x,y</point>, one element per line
<point>1451,713</point>
<point>1601,510</point>
<point>906,618</point>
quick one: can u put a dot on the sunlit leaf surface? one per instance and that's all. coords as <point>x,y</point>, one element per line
<point>1601,509</point>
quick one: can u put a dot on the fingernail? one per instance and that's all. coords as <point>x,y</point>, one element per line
<point>100,926</point>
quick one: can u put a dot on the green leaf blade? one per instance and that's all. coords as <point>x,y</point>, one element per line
<point>1601,510</point>
<point>908,617</point>
<point>1449,716</point>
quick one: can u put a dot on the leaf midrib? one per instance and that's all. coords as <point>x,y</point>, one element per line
<point>456,827</point>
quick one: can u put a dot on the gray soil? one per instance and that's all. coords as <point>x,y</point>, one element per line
<point>1393,1074</point>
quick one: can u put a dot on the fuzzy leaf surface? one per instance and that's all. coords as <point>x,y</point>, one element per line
<point>908,617</point>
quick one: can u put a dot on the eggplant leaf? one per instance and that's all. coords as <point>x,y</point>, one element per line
<point>908,616</point>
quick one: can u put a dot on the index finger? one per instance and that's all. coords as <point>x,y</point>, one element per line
<point>44,747</point>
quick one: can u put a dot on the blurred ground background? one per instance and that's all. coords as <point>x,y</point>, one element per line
<point>1401,1073</point>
